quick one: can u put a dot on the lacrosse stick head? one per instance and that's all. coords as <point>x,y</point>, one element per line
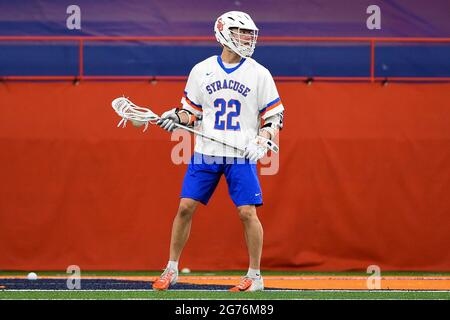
<point>127,110</point>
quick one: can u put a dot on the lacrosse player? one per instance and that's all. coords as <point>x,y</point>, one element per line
<point>237,101</point>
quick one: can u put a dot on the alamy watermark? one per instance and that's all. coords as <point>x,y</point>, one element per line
<point>182,153</point>
<point>373,22</point>
<point>374,280</point>
<point>74,280</point>
<point>73,21</point>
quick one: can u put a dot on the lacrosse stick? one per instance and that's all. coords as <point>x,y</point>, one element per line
<point>127,110</point>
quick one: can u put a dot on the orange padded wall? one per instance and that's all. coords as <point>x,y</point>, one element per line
<point>364,178</point>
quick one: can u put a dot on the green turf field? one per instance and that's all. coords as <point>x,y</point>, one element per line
<point>187,294</point>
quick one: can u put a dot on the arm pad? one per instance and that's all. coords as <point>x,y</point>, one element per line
<point>275,121</point>
<point>273,124</point>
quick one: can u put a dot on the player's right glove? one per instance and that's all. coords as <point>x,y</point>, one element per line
<point>256,148</point>
<point>169,119</point>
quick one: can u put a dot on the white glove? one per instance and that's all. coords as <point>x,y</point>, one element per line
<point>168,120</point>
<point>256,148</point>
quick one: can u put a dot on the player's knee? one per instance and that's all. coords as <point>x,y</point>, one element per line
<point>186,209</point>
<point>247,213</point>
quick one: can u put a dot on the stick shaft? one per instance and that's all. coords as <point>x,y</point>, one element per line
<point>201,134</point>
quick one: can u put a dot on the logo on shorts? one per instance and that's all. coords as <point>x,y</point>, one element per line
<point>257,194</point>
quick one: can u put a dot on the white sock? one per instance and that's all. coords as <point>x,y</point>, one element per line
<point>173,265</point>
<point>253,273</point>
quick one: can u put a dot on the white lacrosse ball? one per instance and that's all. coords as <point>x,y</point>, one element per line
<point>32,276</point>
<point>185,270</point>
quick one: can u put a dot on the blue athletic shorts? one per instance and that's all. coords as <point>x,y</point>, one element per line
<point>204,172</point>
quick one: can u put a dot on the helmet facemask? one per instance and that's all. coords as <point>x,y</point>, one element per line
<point>244,40</point>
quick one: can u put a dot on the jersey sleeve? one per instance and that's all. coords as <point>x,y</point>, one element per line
<point>192,97</point>
<point>269,100</point>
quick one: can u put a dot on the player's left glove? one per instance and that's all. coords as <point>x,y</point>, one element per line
<point>169,119</point>
<point>257,148</point>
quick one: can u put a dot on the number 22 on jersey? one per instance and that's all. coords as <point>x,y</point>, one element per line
<point>225,120</point>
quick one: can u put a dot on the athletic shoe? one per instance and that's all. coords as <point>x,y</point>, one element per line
<point>249,284</point>
<point>168,278</point>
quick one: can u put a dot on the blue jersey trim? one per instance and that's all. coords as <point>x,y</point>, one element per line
<point>229,70</point>
<point>189,100</point>
<point>270,104</point>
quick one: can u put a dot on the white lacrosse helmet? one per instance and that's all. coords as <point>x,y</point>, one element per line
<point>243,43</point>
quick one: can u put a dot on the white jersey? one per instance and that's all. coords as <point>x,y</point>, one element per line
<point>231,102</point>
